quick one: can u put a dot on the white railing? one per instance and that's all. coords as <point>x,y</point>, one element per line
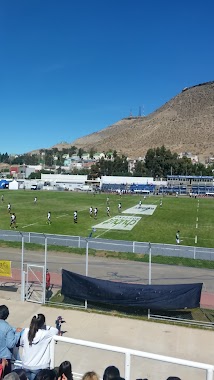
<point>128,353</point>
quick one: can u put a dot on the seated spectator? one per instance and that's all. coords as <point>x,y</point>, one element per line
<point>65,371</point>
<point>11,376</point>
<point>9,337</point>
<point>46,374</point>
<point>91,375</point>
<point>111,373</point>
<point>173,378</point>
<point>21,373</point>
<point>35,341</point>
<point>3,364</point>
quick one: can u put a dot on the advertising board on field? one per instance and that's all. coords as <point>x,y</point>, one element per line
<point>141,210</point>
<point>120,222</point>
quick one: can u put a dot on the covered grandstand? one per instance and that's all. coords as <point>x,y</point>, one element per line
<point>127,184</point>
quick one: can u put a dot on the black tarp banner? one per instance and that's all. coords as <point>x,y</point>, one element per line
<point>155,297</point>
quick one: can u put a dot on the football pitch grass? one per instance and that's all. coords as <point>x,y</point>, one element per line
<point>194,218</point>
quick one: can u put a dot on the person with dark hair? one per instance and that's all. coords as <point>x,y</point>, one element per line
<point>111,373</point>
<point>65,371</point>
<point>46,374</point>
<point>173,378</point>
<point>9,337</point>
<point>35,341</point>
<point>21,373</point>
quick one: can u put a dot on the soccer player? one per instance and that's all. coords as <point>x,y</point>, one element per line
<point>9,207</point>
<point>108,211</point>
<point>2,198</point>
<point>140,204</point>
<point>107,201</point>
<point>177,237</point>
<point>95,212</point>
<point>161,203</point>
<point>35,200</point>
<point>75,216</point>
<point>119,207</point>
<point>49,217</point>
<point>91,211</point>
<point>13,220</point>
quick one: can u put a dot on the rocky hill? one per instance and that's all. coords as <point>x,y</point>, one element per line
<point>184,124</point>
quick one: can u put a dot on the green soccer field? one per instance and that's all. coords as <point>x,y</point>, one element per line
<point>194,218</point>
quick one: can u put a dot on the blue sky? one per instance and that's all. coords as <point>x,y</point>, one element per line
<point>73,67</point>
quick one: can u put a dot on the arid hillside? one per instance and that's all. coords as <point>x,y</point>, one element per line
<point>184,124</point>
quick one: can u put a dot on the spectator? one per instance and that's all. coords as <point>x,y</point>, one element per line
<point>21,373</point>
<point>3,364</point>
<point>11,376</point>
<point>35,342</point>
<point>111,373</point>
<point>58,324</point>
<point>91,375</point>
<point>65,371</point>
<point>46,374</point>
<point>173,378</point>
<point>48,280</point>
<point>9,337</point>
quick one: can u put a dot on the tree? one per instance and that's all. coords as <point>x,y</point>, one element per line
<point>91,153</point>
<point>72,150</point>
<point>80,152</point>
<point>139,169</point>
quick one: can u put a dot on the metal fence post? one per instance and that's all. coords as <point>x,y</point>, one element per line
<point>45,269</point>
<point>86,267</point>
<point>150,271</point>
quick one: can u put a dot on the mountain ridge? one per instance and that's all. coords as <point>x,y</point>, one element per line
<point>183,124</point>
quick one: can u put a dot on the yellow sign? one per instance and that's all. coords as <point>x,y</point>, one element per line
<point>5,268</point>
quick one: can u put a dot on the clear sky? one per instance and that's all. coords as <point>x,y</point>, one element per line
<point>73,67</point>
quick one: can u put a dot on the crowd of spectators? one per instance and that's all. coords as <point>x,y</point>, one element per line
<point>34,362</point>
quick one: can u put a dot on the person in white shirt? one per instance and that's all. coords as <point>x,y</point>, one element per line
<point>75,216</point>
<point>13,220</point>
<point>91,211</point>
<point>95,212</point>
<point>177,237</point>
<point>108,211</point>
<point>49,217</point>
<point>35,341</point>
<point>9,207</point>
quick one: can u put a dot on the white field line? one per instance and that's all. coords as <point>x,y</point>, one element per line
<point>103,233</point>
<point>187,237</point>
<point>61,216</point>
<point>31,224</point>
